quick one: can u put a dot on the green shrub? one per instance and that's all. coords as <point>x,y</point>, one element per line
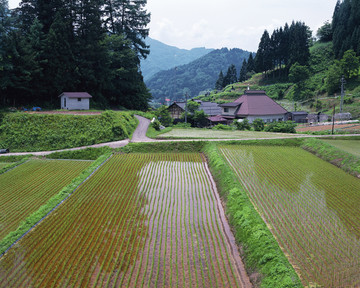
<point>156,125</point>
<point>221,127</point>
<point>242,125</point>
<point>281,127</point>
<point>258,124</point>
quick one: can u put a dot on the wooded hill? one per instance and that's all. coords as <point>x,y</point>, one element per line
<point>164,57</point>
<point>307,77</point>
<point>197,76</point>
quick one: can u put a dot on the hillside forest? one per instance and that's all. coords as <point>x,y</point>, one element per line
<point>48,47</point>
<point>293,65</point>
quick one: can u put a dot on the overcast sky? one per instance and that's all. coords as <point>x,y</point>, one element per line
<point>228,23</point>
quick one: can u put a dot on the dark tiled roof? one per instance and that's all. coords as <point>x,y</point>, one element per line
<point>231,104</point>
<point>76,94</point>
<point>209,108</point>
<point>217,118</point>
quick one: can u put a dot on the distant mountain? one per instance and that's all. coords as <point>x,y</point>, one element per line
<point>197,76</point>
<point>163,57</point>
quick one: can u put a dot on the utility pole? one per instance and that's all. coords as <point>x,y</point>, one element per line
<point>333,121</point>
<point>343,82</point>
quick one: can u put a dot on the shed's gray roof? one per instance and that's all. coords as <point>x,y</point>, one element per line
<point>76,95</point>
<point>210,108</point>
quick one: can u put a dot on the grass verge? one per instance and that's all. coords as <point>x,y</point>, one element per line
<point>348,162</point>
<point>160,147</point>
<point>44,210</point>
<point>12,161</point>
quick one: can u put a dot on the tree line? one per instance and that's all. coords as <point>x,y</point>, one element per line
<point>285,47</point>
<point>48,47</point>
<point>346,27</point>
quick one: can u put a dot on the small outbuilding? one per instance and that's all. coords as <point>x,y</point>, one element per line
<point>75,100</point>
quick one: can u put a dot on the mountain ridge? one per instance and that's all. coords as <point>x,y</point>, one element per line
<point>196,76</point>
<point>164,57</point>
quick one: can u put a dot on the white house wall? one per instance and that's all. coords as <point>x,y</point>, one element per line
<point>231,111</point>
<point>267,118</point>
<point>74,104</point>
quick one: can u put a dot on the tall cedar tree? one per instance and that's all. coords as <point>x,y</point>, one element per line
<point>285,47</point>
<point>129,18</point>
<point>243,71</point>
<point>59,46</point>
<point>346,27</point>
<point>231,76</point>
<point>220,81</point>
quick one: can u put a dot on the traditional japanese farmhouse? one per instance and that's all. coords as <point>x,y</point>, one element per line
<point>210,108</point>
<point>75,100</point>
<point>252,105</point>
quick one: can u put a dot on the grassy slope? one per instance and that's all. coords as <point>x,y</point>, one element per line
<point>350,146</point>
<point>37,132</point>
<point>344,160</point>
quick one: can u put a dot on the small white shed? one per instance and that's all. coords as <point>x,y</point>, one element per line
<point>75,100</point>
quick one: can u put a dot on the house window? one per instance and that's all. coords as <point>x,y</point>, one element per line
<point>64,102</point>
<point>79,99</point>
<point>226,110</point>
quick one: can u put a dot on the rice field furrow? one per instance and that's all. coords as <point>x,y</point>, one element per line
<point>309,204</point>
<point>141,220</point>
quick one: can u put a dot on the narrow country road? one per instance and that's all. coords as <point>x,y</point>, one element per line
<point>140,131</point>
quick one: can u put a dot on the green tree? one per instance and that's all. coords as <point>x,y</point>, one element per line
<point>333,78</point>
<point>192,106</point>
<point>129,18</point>
<point>220,81</point>
<point>163,114</point>
<point>298,74</point>
<point>231,75</point>
<point>263,59</point>
<point>350,64</point>
<point>200,118</point>
<point>243,71</point>
<point>325,32</point>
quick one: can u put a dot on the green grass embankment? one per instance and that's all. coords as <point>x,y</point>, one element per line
<point>41,132</point>
<point>10,162</point>
<point>262,253</point>
<point>344,160</point>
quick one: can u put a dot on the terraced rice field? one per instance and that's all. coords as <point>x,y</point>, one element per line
<point>350,146</point>
<point>141,220</point>
<point>24,189</point>
<point>311,207</point>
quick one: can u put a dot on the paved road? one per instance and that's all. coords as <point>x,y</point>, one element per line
<point>140,132</point>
